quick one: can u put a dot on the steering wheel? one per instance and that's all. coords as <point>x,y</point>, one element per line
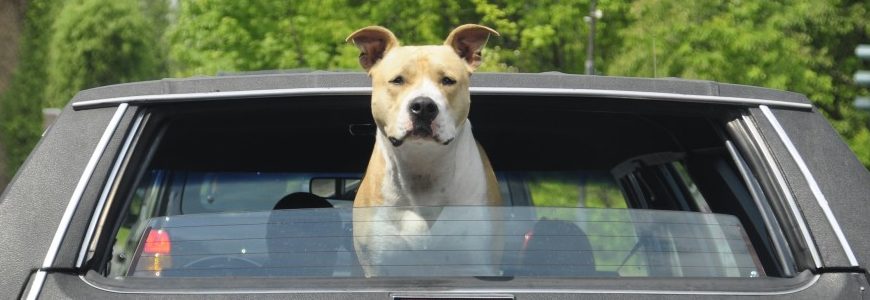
<point>224,263</point>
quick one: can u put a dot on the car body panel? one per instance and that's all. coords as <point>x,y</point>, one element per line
<point>271,86</point>
<point>72,242</point>
<point>36,199</point>
<point>830,250</point>
<point>840,177</point>
<point>826,286</point>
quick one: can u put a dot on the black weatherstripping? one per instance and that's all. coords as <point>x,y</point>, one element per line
<point>741,133</point>
<point>841,270</point>
<point>515,285</point>
<point>117,203</point>
<point>71,271</point>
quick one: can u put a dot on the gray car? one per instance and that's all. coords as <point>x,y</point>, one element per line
<point>623,188</point>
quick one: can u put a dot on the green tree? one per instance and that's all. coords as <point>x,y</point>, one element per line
<point>540,36</point>
<point>20,105</point>
<point>212,36</point>
<point>419,22</point>
<point>316,33</point>
<point>95,43</point>
<point>158,15</point>
<point>798,46</point>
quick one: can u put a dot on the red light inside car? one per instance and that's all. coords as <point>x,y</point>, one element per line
<point>157,242</point>
<point>156,251</point>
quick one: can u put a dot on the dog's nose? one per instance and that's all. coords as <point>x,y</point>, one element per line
<point>423,109</point>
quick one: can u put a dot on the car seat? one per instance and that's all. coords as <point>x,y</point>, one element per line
<point>557,248</point>
<point>302,236</point>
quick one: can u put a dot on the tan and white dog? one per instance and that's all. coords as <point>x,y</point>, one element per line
<point>424,153</point>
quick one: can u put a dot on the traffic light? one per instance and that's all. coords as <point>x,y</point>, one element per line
<point>862,78</point>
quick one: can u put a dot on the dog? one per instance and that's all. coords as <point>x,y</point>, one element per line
<point>425,156</point>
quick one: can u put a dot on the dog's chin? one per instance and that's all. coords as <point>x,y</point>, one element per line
<point>419,136</point>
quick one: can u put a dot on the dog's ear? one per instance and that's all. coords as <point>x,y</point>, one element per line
<point>373,42</point>
<point>467,40</point>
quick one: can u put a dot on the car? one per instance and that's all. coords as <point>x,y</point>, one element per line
<point>243,185</point>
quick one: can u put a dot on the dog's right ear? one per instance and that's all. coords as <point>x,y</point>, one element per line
<point>373,42</point>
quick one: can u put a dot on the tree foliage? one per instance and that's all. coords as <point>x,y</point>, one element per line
<point>95,43</point>
<point>212,36</point>
<point>804,46</point>
<point>540,35</point>
<point>21,105</point>
<point>226,36</point>
<point>72,45</point>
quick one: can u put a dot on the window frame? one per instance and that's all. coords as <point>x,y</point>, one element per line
<point>770,177</point>
<point>134,153</point>
<point>119,183</point>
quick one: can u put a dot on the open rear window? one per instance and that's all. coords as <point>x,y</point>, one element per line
<point>591,189</point>
<point>531,241</point>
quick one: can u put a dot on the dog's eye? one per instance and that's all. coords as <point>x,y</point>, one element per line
<point>448,81</point>
<point>398,80</point>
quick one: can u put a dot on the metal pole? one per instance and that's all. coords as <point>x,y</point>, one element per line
<point>862,103</point>
<point>862,78</point>
<point>590,45</point>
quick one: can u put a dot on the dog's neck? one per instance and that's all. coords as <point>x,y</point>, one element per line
<point>425,174</point>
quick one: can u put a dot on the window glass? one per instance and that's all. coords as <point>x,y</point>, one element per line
<point>225,191</point>
<point>230,224</point>
<point>316,242</point>
<point>256,190</point>
<point>695,193</point>
<point>574,189</point>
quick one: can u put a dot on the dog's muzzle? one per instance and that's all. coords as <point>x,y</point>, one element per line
<point>423,112</point>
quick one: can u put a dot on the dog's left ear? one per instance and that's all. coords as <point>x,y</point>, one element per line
<point>467,40</point>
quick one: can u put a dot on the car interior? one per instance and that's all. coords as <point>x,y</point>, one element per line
<point>259,155</point>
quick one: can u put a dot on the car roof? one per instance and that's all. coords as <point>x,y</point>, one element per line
<point>357,83</point>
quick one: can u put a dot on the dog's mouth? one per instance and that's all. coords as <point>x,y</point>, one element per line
<point>422,133</point>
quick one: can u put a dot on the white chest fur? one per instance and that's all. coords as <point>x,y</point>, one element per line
<point>420,173</point>
<point>419,179</point>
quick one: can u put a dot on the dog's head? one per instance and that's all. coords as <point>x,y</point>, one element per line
<point>420,92</point>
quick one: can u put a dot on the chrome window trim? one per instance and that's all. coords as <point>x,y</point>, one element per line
<point>360,91</point>
<point>806,285</point>
<point>449,295</point>
<point>111,184</point>
<point>811,181</point>
<point>39,277</point>
<point>773,230</point>
<point>789,198</point>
